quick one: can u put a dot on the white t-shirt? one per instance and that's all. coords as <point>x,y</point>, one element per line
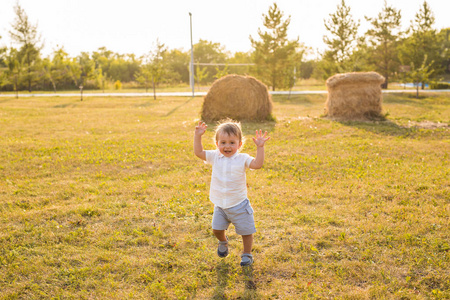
<point>228,181</point>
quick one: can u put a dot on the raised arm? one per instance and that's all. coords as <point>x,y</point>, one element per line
<point>200,129</point>
<point>259,140</point>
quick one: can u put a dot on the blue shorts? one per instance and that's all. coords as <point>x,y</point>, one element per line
<point>240,215</point>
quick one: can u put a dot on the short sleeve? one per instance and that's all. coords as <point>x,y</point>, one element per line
<point>210,155</point>
<point>248,160</point>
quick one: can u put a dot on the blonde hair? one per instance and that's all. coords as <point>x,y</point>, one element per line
<point>230,127</point>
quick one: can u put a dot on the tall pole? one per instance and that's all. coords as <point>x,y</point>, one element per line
<point>191,69</point>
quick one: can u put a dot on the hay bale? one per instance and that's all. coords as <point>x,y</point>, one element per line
<point>354,96</point>
<point>237,97</point>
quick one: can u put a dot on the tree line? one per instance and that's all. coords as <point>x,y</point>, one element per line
<point>420,55</point>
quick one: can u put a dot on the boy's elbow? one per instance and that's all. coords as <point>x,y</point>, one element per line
<point>201,155</point>
<point>256,166</point>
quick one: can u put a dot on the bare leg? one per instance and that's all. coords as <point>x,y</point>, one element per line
<point>220,235</point>
<point>247,240</point>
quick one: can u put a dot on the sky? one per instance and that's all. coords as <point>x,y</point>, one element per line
<point>134,26</point>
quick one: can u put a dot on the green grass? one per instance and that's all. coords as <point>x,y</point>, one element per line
<point>104,199</point>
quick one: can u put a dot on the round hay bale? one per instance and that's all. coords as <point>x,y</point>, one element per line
<point>238,98</point>
<point>354,96</point>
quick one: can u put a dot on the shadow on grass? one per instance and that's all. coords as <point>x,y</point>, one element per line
<point>64,105</point>
<point>387,128</point>
<point>426,101</point>
<point>176,108</point>
<point>223,270</point>
<point>404,99</point>
<point>250,285</point>
<point>410,103</point>
<point>145,104</point>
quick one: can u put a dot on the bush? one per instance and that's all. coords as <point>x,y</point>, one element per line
<point>118,85</point>
<point>91,84</point>
<point>440,86</point>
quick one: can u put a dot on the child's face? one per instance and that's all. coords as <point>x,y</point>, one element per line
<point>228,145</point>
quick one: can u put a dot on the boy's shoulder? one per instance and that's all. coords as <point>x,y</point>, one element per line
<point>212,152</point>
<point>244,158</point>
<point>211,155</point>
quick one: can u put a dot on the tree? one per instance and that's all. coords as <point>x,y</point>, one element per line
<point>420,74</point>
<point>307,69</point>
<point>2,53</point>
<point>221,72</point>
<point>101,78</point>
<point>61,69</point>
<point>25,34</point>
<point>343,30</point>
<point>209,52</point>
<point>115,66</point>
<point>47,71</point>
<point>14,71</point>
<point>444,42</point>
<point>3,78</point>
<point>123,67</point>
<point>176,62</point>
<point>103,59</point>
<point>88,74</point>
<point>153,66</point>
<point>201,74</point>
<point>422,42</point>
<point>383,38</point>
<point>144,76</point>
<point>242,58</point>
<point>74,71</point>
<point>274,55</point>
<point>157,64</point>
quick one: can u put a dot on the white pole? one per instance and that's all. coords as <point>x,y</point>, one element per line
<point>191,67</point>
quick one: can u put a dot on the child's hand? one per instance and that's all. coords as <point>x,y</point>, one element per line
<point>260,139</point>
<point>200,129</point>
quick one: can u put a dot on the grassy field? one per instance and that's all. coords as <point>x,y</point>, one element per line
<point>104,199</point>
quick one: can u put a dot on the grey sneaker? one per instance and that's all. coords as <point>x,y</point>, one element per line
<point>222,249</point>
<point>246,259</point>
